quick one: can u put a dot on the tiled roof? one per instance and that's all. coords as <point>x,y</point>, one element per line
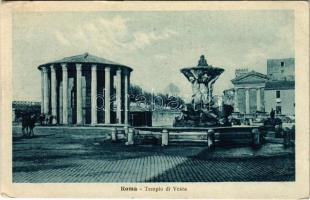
<point>84,58</point>
<point>279,85</point>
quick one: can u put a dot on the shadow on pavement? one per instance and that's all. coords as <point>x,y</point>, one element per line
<point>18,138</point>
<point>230,170</point>
<point>33,168</point>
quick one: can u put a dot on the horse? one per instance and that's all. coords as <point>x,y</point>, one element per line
<point>31,124</point>
<point>28,124</point>
<point>25,120</point>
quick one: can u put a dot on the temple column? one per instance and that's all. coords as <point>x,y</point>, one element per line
<point>46,91</point>
<point>79,113</point>
<point>54,94</point>
<point>118,96</point>
<point>236,105</point>
<point>262,103</point>
<point>107,95</point>
<point>59,91</point>
<point>93,94</point>
<point>126,103</point>
<point>42,91</point>
<point>258,98</point>
<point>64,94</point>
<point>247,100</point>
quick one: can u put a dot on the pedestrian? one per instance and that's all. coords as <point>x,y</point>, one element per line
<point>50,120</point>
<point>41,118</point>
<point>31,124</point>
<point>272,113</point>
<point>25,120</point>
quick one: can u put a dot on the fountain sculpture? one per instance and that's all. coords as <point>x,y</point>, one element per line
<point>200,112</point>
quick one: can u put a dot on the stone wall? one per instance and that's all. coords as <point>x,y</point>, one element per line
<point>84,132</point>
<point>164,118</point>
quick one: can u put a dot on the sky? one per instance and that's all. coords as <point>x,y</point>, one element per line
<point>155,44</point>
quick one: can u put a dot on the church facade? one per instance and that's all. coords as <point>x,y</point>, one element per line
<point>249,91</point>
<point>85,89</point>
<point>254,92</point>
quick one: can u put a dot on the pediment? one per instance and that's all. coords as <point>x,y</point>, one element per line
<point>252,77</point>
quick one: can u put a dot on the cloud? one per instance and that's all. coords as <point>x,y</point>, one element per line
<point>109,36</point>
<point>61,38</point>
<point>160,56</point>
<point>143,39</point>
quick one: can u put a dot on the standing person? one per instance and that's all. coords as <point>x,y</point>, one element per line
<point>50,119</point>
<point>272,113</point>
<point>31,124</point>
<point>41,118</point>
<point>46,119</point>
<point>25,120</point>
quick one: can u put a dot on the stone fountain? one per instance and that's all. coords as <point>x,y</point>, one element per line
<point>201,111</point>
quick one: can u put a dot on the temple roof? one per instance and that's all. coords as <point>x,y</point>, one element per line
<point>85,58</point>
<point>251,73</point>
<point>279,85</point>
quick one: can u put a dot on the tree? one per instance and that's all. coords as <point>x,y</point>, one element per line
<point>157,100</point>
<point>172,89</point>
<point>135,91</point>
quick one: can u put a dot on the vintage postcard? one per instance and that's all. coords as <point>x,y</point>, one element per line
<point>155,99</point>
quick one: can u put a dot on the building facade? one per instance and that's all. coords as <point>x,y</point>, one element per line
<point>255,92</point>
<point>280,96</point>
<point>249,91</point>
<point>281,69</point>
<point>85,89</point>
<point>229,97</point>
<point>280,88</point>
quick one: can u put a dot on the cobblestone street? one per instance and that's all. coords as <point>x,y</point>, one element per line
<point>76,157</point>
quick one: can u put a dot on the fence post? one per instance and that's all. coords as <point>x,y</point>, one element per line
<point>114,135</point>
<point>126,130</point>
<point>210,138</point>
<point>256,137</point>
<point>164,137</point>
<point>130,137</point>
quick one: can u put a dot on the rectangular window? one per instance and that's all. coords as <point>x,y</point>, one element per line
<point>278,109</point>
<point>282,64</point>
<point>277,94</point>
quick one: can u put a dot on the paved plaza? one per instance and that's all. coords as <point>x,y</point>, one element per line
<point>76,157</point>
